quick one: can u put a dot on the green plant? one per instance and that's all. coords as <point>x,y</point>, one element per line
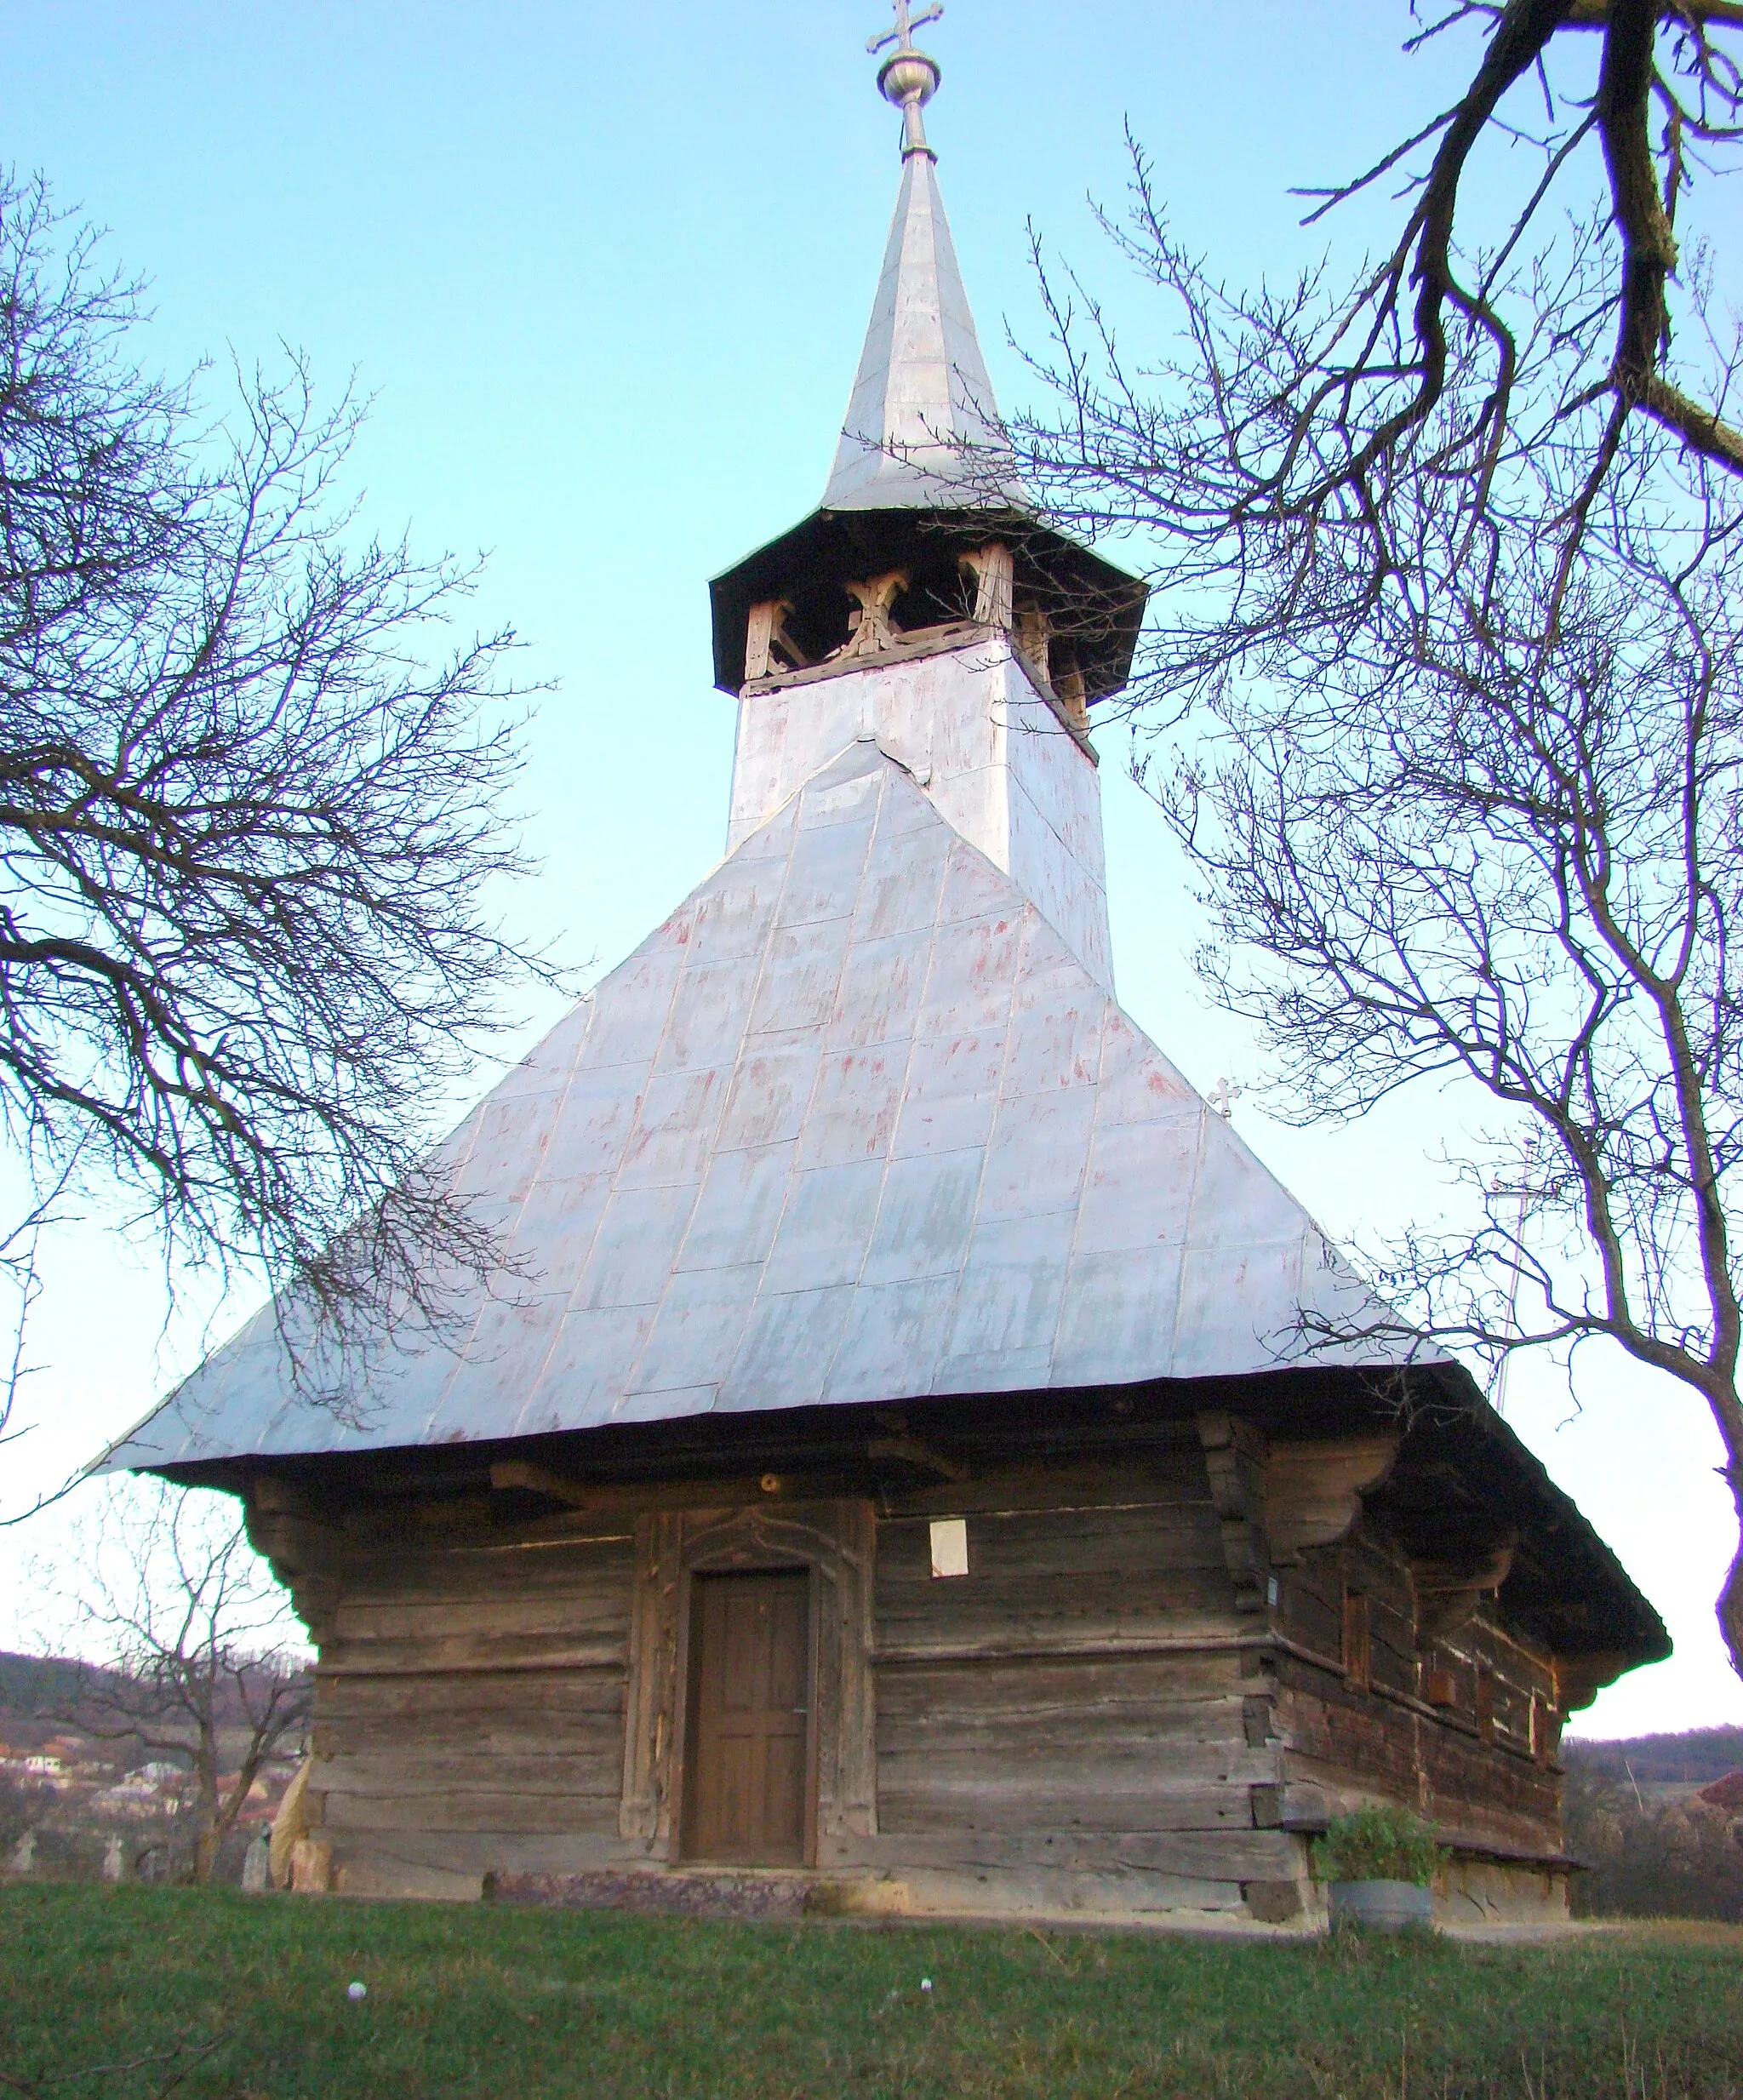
<point>1378,1844</point>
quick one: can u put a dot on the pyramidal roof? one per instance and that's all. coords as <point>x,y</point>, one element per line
<point>922,429</point>
<point>853,1125</point>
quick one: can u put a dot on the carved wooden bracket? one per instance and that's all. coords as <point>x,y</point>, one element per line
<point>1068,689</point>
<point>993,569</point>
<point>1449,1592</point>
<point>511,1472</point>
<point>1034,634</point>
<point>916,1451</point>
<point>1580,1678</point>
<point>898,1441</point>
<point>837,1540</point>
<point>769,648</point>
<point>307,1556</point>
<point>1313,1491</point>
<point>872,627</point>
<point>1277,1500</point>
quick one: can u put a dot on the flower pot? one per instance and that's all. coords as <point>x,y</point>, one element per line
<point>1384,1906</point>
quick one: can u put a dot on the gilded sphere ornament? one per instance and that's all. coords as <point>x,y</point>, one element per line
<point>908,76</point>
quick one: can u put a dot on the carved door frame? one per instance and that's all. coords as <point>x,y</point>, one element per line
<point>836,1541</point>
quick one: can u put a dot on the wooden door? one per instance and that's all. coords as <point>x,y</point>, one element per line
<point>750,1637</point>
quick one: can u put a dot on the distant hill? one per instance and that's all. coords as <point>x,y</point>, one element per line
<point>40,1694</point>
<point>1694,1758</point>
<point>31,1683</point>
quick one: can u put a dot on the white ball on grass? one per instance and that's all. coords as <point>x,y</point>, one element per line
<point>357,1993</point>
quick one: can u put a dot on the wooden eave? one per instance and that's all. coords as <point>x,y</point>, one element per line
<point>1462,1477</point>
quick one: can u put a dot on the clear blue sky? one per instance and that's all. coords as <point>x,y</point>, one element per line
<point>605,271</point>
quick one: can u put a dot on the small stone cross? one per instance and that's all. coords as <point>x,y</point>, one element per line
<point>902,35</point>
<point>1222,1098</point>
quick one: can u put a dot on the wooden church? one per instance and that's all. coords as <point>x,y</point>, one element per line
<point>908,1465</point>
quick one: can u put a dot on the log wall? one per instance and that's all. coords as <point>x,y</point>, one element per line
<point>1111,1712</point>
<point>1447,1728</point>
<point>470,1707</point>
<point>1069,1725</point>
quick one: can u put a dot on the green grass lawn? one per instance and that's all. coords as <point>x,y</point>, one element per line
<point>246,1996</point>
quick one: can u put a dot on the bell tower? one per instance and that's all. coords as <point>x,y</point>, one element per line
<point>924,604</point>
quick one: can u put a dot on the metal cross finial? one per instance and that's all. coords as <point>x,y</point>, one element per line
<point>1222,1098</point>
<point>908,78</point>
<point>902,35</point>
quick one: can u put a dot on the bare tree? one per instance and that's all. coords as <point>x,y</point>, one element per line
<point>247,822</point>
<point>1442,696</point>
<point>19,1280</point>
<point>1479,333</point>
<point>195,1662</point>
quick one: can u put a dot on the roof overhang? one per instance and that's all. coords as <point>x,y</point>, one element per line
<point>1090,603</point>
<point>1461,1477</point>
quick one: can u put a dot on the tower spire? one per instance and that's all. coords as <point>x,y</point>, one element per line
<point>908,78</point>
<point>922,430</point>
<point>924,491</point>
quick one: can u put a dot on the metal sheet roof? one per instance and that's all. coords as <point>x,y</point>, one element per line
<point>922,429</point>
<point>852,1126</point>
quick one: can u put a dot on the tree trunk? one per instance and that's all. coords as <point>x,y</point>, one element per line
<point>208,1834</point>
<point>1726,1405</point>
<point>1730,1605</point>
<point>206,1846</point>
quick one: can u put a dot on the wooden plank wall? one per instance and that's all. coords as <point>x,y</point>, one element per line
<point>1071,1719</point>
<point>1097,1716</point>
<point>470,1710</point>
<point>1390,1740</point>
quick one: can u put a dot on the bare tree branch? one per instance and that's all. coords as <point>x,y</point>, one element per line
<point>182,2062</point>
<point>1444,693</point>
<point>251,801</point>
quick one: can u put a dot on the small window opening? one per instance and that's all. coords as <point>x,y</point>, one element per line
<point>950,1546</point>
<point>1485,1706</point>
<point>1358,1641</point>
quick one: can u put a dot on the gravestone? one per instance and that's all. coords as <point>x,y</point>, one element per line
<point>256,1877</point>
